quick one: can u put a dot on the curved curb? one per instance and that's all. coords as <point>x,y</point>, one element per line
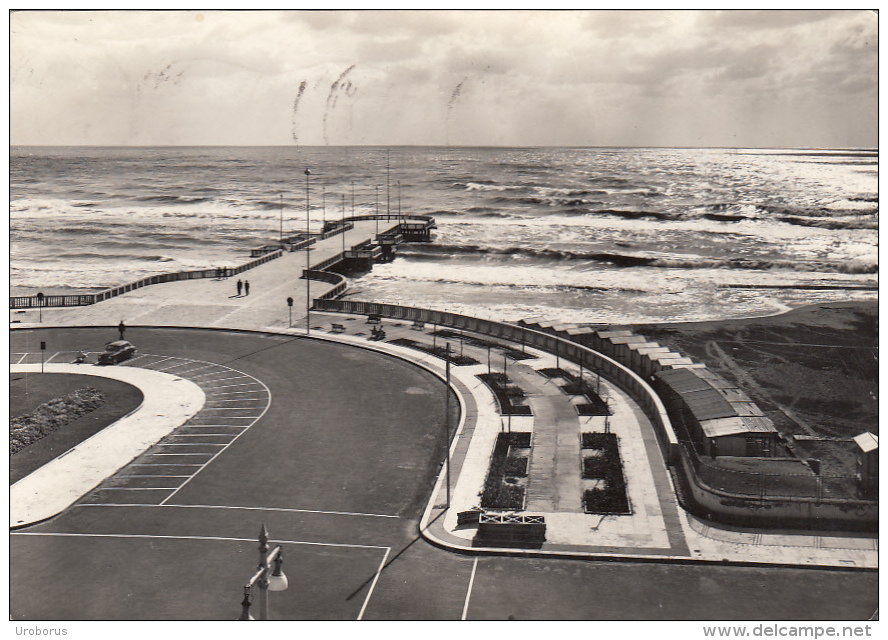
<point>62,481</point>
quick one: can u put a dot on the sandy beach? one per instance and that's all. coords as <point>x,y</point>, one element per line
<point>813,370</point>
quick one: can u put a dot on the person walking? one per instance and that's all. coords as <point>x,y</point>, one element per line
<point>122,329</point>
<point>240,286</point>
<point>246,287</point>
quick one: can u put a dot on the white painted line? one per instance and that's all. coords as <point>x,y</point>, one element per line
<point>151,364</point>
<point>180,454</point>
<point>231,393</point>
<point>231,378</point>
<point>189,444</point>
<point>146,475</point>
<point>229,409</point>
<point>230,443</point>
<point>142,536</point>
<point>135,488</point>
<point>167,404</point>
<point>52,356</point>
<point>24,355</point>
<point>226,386</point>
<point>222,506</point>
<point>199,435</point>
<point>163,464</point>
<point>215,426</point>
<point>131,360</point>
<point>373,585</point>
<point>234,400</point>
<point>469,591</point>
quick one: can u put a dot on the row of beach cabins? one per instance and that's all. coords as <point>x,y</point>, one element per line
<point>719,418</point>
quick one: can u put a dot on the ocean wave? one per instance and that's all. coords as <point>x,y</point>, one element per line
<point>170,199</point>
<point>434,251</point>
<point>88,255</point>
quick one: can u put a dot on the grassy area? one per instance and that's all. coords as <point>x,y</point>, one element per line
<point>51,416</point>
<point>29,391</point>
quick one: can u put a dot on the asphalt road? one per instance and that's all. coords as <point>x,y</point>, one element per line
<point>339,468</point>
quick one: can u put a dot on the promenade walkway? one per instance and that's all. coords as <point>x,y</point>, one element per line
<point>657,528</point>
<point>210,302</point>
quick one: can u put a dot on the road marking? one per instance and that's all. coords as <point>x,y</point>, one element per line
<point>52,356</point>
<point>163,464</point>
<point>233,440</point>
<point>188,444</point>
<point>222,506</point>
<point>234,400</point>
<point>182,454</point>
<point>247,384</point>
<point>224,379</point>
<point>469,591</point>
<point>230,409</point>
<point>145,536</point>
<point>200,435</point>
<point>131,360</point>
<point>146,475</point>
<point>151,364</point>
<point>373,584</point>
<point>24,355</point>
<point>136,488</point>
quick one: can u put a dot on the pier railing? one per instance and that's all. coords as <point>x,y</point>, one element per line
<point>33,302</point>
<point>259,256</point>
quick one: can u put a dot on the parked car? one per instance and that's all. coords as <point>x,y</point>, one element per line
<point>117,351</point>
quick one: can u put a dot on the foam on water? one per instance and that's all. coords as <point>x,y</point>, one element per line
<point>636,233</point>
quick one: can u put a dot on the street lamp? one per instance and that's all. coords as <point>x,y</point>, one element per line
<point>266,578</point>
<point>307,260</point>
<point>40,305</point>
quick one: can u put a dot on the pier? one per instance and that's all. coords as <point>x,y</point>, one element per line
<point>276,272</point>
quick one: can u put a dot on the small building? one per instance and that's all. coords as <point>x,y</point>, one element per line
<point>716,425</point>
<point>867,464</point>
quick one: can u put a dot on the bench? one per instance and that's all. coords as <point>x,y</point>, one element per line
<point>337,328</point>
<point>419,325</point>
<point>372,319</point>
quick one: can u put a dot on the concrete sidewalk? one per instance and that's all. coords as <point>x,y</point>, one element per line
<point>208,302</point>
<point>168,402</point>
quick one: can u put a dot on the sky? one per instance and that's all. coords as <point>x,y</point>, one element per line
<point>461,78</point>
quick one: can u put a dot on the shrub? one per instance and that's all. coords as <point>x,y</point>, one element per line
<point>516,467</point>
<point>51,416</point>
<point>497,493</point>
<point>607,500</point>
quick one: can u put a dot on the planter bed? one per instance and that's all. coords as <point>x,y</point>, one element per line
<point>514,354</point>
<point>605,465</point>
<point>596,406</point>
<point>504,487</point>
<point>505,394</point>
<point>439,352</point>
<point>51,416</point>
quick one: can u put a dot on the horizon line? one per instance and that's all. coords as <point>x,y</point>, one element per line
<point>430,146</point>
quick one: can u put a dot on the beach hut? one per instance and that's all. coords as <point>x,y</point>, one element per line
<point>716,425</point>
<point>867,464</point>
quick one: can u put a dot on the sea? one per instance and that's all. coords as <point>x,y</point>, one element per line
<point>609,235</point>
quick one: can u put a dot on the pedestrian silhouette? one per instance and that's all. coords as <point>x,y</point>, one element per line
<point>240,286</point>
<point>246,287</point>
<point>121,328</point>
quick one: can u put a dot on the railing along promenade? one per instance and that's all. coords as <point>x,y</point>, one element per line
<point>704,491</point>
<point>572,351</point>
<point>260,256</point>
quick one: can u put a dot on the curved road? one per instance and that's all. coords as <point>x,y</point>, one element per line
<point>338,461</point>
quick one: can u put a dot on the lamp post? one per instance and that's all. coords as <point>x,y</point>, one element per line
<point>40,306</point>
<point>266,578</point>
<point>343,226</point>
<point>377,210</point>
<point>282,219</point>
<point>447,419</point>
<point>324,208</point>
<point>307,260</point>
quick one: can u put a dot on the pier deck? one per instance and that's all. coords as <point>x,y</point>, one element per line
<point>210,302</point>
